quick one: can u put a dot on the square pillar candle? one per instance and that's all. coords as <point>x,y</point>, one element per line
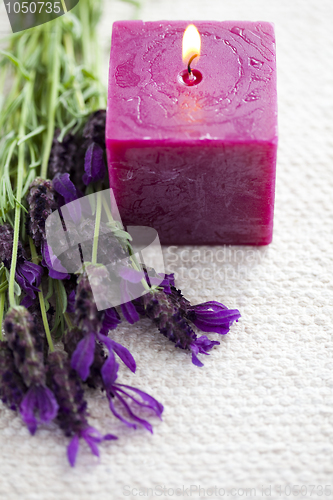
<point>192,150</point>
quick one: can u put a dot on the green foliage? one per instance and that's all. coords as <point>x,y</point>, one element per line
<point>56,59</point>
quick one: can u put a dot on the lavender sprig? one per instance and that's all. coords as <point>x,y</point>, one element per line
<point>38,404</point>
<point>41,204</point>
<point>72,413</point>
<point>172,313</point>
<point>103,374</point>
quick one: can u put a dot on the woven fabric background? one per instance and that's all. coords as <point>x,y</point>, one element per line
<point>260,412</point>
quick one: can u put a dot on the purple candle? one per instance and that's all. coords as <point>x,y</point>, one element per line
<point>193,154</point>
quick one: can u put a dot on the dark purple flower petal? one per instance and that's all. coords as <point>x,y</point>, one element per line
<point>110,321</point>
<point>150,402</point>
<point>130,313</point>
<point>83,356</point>
<point>51,263</point>
<point>203,344</point>
<point>128,309</point>
<point>167,283</point>
<point>109,371</point>
<point>92,437</point>
<point>94,165</point>
<point>46,404</point>
<point>27,410</point>
<point>40,400</point>
<point>141,421</point>
<point>196,361</point>
<point>27,302</point>
<point>65,187</point>
<point>120,417</point>
<point>124,355</point>
<point>212,317</point>
<point>28,273</point>
<point>200,346</point>
<point>32,272</point>
<point>109,437</point>
<point>72,450</point>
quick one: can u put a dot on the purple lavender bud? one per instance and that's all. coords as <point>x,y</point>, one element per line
<point>6,246</point>
<point>39,404</point>
<point>72,413</point>
<point>164,312</point>
<point>168,312</point>
<point>94,130</point>
<point>41,204</point>
<point>67,388</point>
<point>64,156</point>
<point>25,341</point>
<point>87,317</point>
<point>12,387</point>
<point>34,309</point>
<point>6,242</point>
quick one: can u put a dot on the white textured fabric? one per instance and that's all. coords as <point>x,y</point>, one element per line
<point>260,413</point>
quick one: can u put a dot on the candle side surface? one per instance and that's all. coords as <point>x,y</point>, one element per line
<point>196,163</point>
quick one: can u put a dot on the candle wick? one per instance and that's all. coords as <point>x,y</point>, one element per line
<point>189,65</point>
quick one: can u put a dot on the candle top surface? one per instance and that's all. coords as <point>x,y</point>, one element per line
<point>235,101</point>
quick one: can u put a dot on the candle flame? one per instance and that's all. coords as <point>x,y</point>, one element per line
<point>191,43</point>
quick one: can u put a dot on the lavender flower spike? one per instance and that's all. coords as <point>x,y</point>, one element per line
<point>12,387</point>
<point>38,404</point>
<point>87,317</point>
<point>90,321</point>
<point>168,311</point>
<point>41,204</point>
<point>72,414</point>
